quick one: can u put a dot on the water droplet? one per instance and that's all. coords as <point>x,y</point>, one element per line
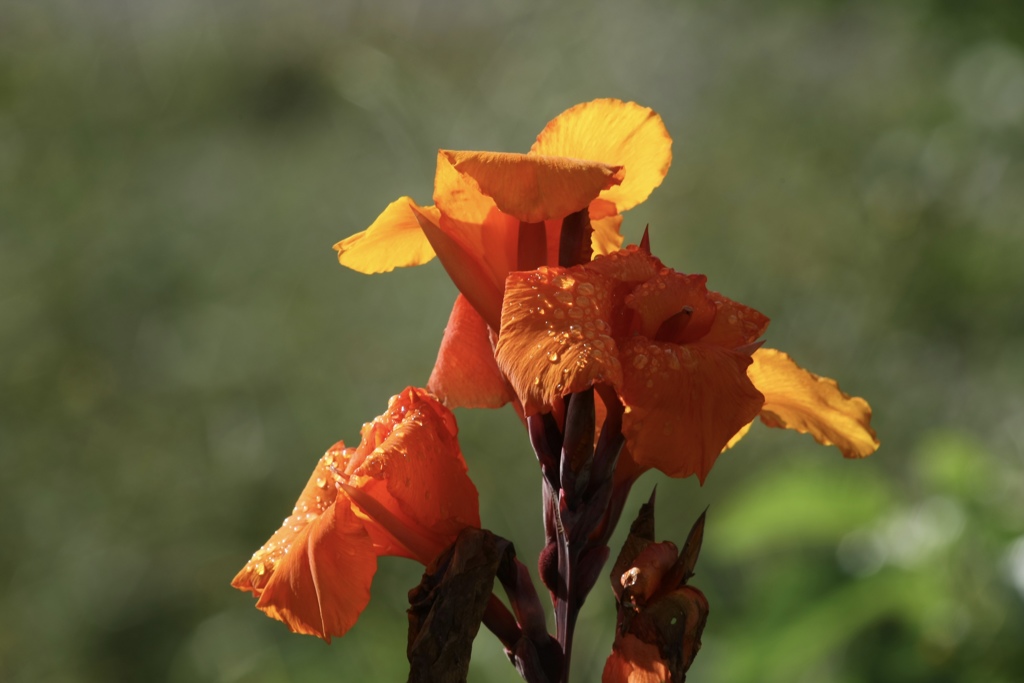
<point>733,320</point>
<point>639,361</point>
<point>559,387</point>
<point>536,381</point>
<point>586,289</point>
<point>575,313</point>
<point>582,301</point>
<point>321,482</point>
<point>553,356</point>
<point>563,296</point>
<point>260,569</point>
<point>558,313</point>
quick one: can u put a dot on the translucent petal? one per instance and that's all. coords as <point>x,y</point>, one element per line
<point>800,400</point>
<point>394,240</point>
<point>616,133</point>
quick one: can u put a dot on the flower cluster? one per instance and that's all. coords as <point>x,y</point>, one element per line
<point>616,364</point>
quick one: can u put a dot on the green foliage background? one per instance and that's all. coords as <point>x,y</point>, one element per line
<point>179,345</point>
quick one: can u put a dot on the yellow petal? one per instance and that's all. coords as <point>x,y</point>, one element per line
<point>535,188</point>
<point>606,237</point>
<point>800,400</point>
<point>395,240</point>
<point>617,133</point>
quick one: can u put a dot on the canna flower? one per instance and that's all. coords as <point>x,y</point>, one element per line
<point>403,491</point>
<point>683,360</point>
<point>495,213</point>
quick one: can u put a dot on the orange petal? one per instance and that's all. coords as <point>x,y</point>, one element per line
<point>735,325</point>
<point>665,295</point>
<point>634,661</point>
<point>629,265</point>
<point>410,462</point>
<point>465,374</point>
<point>314,573</point>
<point>323,584</point>
<point>554,334</point>
<point>394,240</point>
<point>466,269</point>
<point>800,400</point>
<point>617,133</point>
<point>535,188</point>
<point>683,403</point>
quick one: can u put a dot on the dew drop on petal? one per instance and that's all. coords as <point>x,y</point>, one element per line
<point>586,289</point>
<point>321,482</point>
<point>261,569</point>
<point>639,361</point>
<point>553,356</point>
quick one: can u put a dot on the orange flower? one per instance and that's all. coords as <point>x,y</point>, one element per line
<point>496,213</point>
<point>676,354</point>
<point>403,491</point>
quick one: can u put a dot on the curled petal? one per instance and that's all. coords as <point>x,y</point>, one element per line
<point>314,573</point>
<point>465,374</point>
<point>410,463</point>
<point>394,240</point>
<point>613,132</point>
<point>534,188</point>
<point>554,337</point>
<point>683,403</point>
<point>800,400</point>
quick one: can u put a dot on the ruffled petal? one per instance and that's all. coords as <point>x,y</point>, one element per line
<point>465,374</point>
<point>606,237</point>
<point>554,337</point>
<point>613,132</point>
<point>683,403</point>
<point>314,573</point>
<point>410,463</point>
<point>535,188</point>
<point>800,400</point>
<point>394,240</point>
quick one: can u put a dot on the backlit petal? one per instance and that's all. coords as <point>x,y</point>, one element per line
<point>606,237</point>
<point>800,400</point>
<point>683,403</point>
<point>535,188</point>
<point>617,133</point>
<point>465,374</point>
<point>394,240</point>
<point>314,573</point>
<point>554,337</point>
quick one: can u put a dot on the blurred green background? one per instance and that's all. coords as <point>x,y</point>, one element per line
<point>179,345</point>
